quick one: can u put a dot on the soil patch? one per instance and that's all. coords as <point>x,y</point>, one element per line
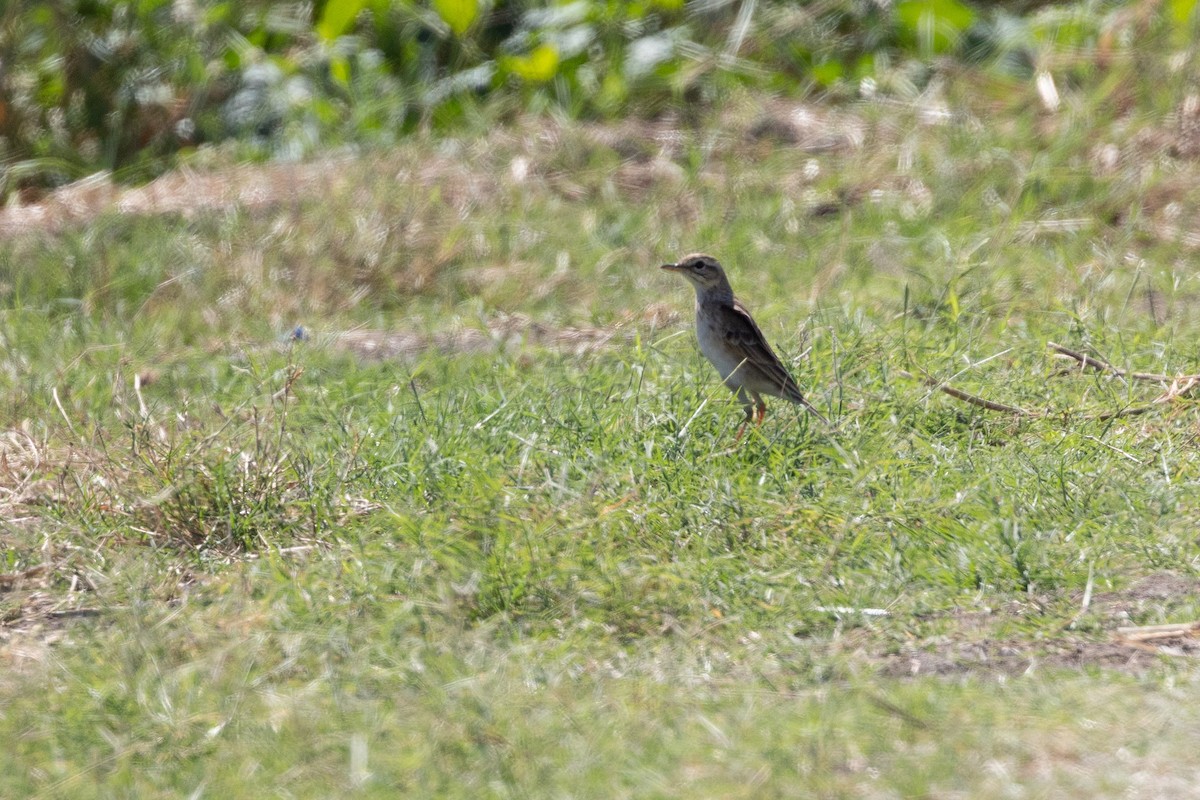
<point>963,652</point>
<point>502,333</point>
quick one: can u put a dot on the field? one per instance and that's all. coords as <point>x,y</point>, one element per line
<point>400,473</point>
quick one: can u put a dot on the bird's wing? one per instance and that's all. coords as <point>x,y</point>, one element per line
<point>744,337</point>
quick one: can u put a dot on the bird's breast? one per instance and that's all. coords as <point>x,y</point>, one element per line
<point>715,347</point>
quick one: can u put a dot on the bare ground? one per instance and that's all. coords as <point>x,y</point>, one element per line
<point>965,651</point>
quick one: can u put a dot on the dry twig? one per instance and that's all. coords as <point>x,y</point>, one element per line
<point>1177,387</point>
<point>1147,633</point>
<point>1131,411</point>
<point>1103,366</point>
<point>966,397</point>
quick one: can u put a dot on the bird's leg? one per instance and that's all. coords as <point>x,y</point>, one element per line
<point>762,411</point>
<point>746,421</point>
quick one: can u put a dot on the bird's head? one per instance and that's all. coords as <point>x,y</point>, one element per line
<point>702,270</point>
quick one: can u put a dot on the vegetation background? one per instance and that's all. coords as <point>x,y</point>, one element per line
<point>351,443</point>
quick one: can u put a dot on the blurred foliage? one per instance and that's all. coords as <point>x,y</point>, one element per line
<point>128,85</point>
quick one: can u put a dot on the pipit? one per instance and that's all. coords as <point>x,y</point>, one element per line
<point>730,339</point>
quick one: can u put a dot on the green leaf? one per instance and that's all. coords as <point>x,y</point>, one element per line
<point>1181,10</point>
<point>340,70</point>
<point>934,25</point>
<point>865,66</point>
<point>613,92</point>
<point>828,73</point>
<point>538,67</point>
<point>458,14</point>
<point>337,17</point>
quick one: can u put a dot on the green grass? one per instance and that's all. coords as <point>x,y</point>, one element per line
<point>534,570</point>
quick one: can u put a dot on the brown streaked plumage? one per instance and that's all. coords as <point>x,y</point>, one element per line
<point>730,339</point>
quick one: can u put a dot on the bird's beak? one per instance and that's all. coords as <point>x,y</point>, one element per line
<point>670,267</point>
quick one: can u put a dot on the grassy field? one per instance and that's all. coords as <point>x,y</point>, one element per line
<point>401,474</point>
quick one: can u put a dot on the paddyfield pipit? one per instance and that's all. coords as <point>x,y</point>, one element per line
<point>731,340</point>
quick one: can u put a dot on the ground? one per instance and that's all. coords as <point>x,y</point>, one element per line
<point>400,472</point>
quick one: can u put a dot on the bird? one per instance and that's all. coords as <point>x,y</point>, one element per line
<point>731,340</point>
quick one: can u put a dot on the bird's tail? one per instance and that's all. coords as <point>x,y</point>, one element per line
<point>793,394</point>
<point>813,410</point>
